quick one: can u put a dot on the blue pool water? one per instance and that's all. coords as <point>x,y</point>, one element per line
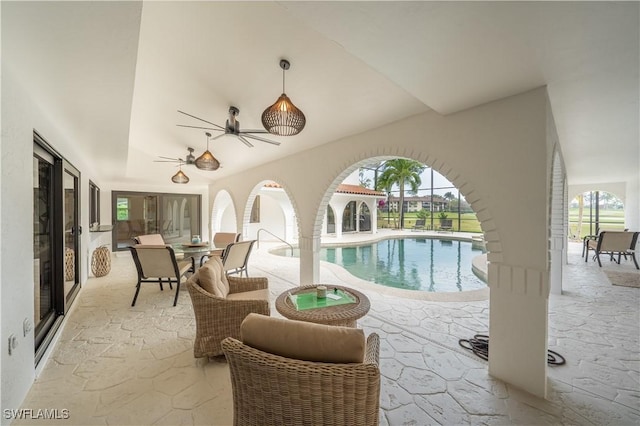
<point>424,264</point>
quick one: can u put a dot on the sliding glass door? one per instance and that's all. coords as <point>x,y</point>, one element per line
<point>56,242</point>
<point>175,216</point>
<point>72,231</point>
<point>44,248</point>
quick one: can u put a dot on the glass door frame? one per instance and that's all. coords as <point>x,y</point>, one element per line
<point>45,333</point>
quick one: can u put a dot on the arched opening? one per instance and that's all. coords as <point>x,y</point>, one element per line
<point>594,211</point>
<point>331,220</point>
<point>223,214</point>
<point>269,214</point>
<point>364,218</point>
<point>349,217</point>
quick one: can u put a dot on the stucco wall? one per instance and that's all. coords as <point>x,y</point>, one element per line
<point>497,155</point>
<point>21,114</point>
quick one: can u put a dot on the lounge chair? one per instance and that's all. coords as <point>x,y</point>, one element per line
<point>614,243</point>
<point>419,225</point>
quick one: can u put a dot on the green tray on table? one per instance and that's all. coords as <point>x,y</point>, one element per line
<point>309,300</point>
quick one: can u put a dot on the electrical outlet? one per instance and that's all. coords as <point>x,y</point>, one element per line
<point>13,343</point>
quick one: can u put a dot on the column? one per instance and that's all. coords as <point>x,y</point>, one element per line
<point>309,260</point>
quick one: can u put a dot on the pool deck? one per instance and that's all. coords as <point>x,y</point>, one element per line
<point>117,364</point>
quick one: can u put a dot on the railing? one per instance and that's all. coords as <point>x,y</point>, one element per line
<point>273,235</point>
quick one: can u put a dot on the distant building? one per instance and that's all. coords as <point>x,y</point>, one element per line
<point>416,203</point>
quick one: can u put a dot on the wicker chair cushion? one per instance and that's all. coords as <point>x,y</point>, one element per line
<point>216,262</point>
<point>210,279</point>
<point>262,294</point>
<point>303,340</point>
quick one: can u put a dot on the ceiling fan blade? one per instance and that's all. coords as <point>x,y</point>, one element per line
<point>166,161</point>
<point>258,138</point>
<point>168,158</point>
<point>198,118</point>
<point>217,137</point>
<point>200,127</point>
<point>253,131</point>
<point>246,142</point>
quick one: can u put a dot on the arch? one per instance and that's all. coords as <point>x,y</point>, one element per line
<point>223,214</point>
<point>283,224</point>
<point>467,189</point>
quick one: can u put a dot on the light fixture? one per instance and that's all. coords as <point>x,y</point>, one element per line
<point>180,177</point>
<point>207,161</point>
<point>283,118</point>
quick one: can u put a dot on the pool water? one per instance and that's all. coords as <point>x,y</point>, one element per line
<point>424,264</point>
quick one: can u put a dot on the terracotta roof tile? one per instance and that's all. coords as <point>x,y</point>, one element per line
<point>343,188</point>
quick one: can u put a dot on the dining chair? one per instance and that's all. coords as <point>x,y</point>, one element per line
<point>158,264</point>
<point>236,257</point>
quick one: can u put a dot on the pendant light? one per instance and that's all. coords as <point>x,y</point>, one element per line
<point>283,118</point>
<point>207,161</point>
<point>180,177</point>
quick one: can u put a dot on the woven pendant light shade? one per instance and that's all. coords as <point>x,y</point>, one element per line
<point>283,118</point>
<point>207,161</point>
<point>180,177</point>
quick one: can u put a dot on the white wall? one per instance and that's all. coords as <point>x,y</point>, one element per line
<point>271,218</point>
<point>20,116</point>
<point>494,154</point>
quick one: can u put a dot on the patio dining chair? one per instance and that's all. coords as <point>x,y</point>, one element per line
<point>220,241</point>
<point>158,264</point>
<point>236,257</point>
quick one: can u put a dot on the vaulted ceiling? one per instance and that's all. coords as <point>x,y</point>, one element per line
<point>115,73</point>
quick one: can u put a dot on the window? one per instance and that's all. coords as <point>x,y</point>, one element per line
<point>255,211</point>
<point>94,204</point>
<point>122,208</point>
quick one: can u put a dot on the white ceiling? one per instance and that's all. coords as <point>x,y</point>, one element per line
<point>355,66</point>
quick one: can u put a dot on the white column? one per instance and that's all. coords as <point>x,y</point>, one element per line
<point>632,205</point>
<point>309,260</point>
<point>518,326</point>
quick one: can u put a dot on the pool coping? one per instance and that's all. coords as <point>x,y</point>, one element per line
<point>479,267</point>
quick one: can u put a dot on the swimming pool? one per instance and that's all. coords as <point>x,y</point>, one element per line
<point>425,264</point>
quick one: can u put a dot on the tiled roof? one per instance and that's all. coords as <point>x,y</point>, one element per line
<point>357,189</point>
<point>343,188</point>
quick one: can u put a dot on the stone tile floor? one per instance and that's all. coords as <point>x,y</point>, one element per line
<point>118,365</point>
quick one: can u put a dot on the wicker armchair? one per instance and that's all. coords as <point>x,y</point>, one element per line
<point>219,316</point>
<point>276,389</point>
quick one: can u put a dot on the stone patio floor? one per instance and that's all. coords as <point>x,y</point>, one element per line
<point>117,365</point>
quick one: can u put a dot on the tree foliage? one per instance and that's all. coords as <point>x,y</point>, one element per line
<point>401,173</point>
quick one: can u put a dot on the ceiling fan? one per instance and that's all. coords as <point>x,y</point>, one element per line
<point>232,127</point>
<point>189,159</point>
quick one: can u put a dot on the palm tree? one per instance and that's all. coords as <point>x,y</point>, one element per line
<point>449,197</point>
<point>401,172</point>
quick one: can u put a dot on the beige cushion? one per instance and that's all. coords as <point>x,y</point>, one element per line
<point>216,262</point>
<point>303,340</point>
<point>261,294</point>
<point>208,279</point>
<point>155,239</point>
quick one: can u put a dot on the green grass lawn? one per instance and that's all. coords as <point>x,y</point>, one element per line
<point>468,221</point>
<point>609,219</point>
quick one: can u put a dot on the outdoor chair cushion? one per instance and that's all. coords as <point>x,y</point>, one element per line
<point>211,278</point>
<point>303,340</point>
<point>262,294</point>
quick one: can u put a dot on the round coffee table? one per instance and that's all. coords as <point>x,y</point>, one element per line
<point>344,315</point>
